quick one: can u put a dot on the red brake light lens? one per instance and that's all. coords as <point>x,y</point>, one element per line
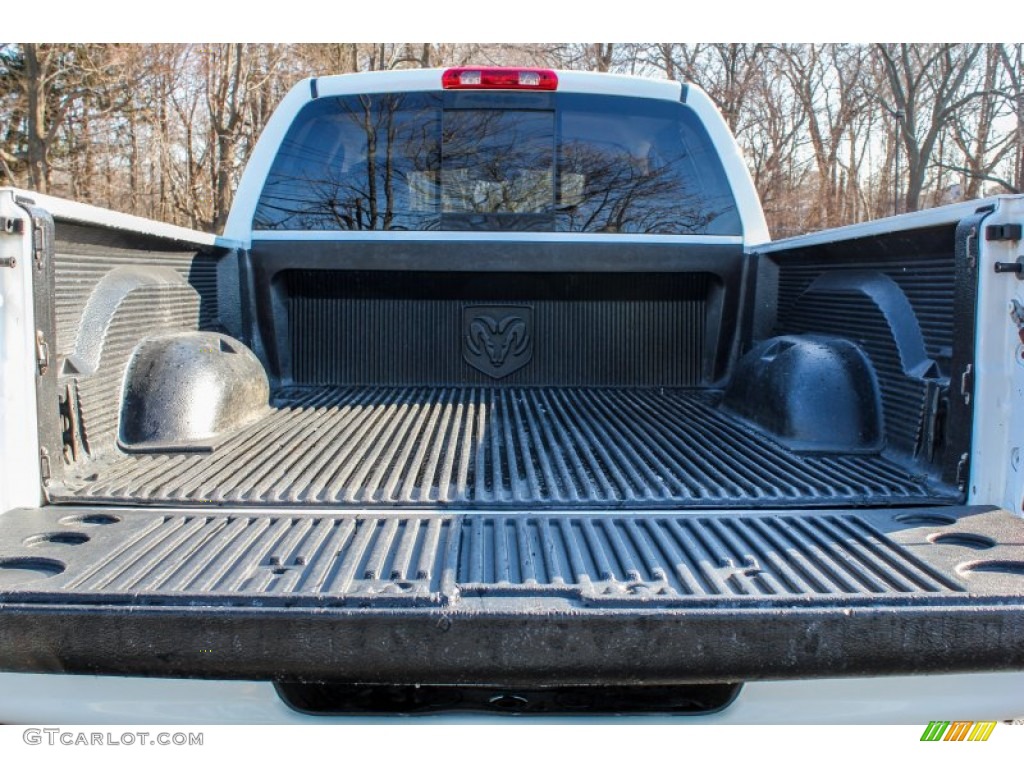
<point>499,78</point>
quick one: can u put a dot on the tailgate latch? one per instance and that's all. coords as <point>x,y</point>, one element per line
<point>962,471</point>
<point>42,353</point>
<point>9,226</point>
<point>967,383</point>
<point>1002,232</point>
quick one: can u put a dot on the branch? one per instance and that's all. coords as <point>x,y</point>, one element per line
<point>1010,68</point>
<point>983,176</point>
<point>965,100</point>
<point>6,157</point>
<point>894,79</point>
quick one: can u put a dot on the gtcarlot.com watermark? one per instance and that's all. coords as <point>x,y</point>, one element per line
<point>54,737</point>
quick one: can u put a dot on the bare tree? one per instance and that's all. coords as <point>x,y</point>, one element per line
<point>828,82</point>
<point>974,134</point>
<point>164,130</point>
<point>923,89</point>
<point>774,141</point>
<point>1012,57</point>
<point>728,73</point>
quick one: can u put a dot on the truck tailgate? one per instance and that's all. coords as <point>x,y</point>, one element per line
<point>545,599</point>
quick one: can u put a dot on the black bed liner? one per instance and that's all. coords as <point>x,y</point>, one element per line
<point>527,599</point>
<point>510,447</point>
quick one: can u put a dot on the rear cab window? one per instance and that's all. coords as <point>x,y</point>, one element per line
<point>461,161</point>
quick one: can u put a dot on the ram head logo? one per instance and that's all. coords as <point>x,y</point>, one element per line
<point>497,340</point>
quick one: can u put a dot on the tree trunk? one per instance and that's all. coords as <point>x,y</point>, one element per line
<point>225,162</point>
<point>35,86</point>
<point>603,56</point>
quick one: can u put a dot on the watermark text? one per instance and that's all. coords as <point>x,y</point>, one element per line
<point>53,737</point>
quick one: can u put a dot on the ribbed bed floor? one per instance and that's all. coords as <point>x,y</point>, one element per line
<point>498,447</point>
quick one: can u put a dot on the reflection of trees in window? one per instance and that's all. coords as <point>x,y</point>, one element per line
<point>370,163</point>
<point>608,189</point>
<point>497,161</point>
<point>394,161</point>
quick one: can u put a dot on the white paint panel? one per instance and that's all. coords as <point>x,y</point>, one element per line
<point>20,483</point>
<point>377,82</point>
<point>618,85</point>
<point>997,461</point>
<point>68,210</point>
<point>916,700</point>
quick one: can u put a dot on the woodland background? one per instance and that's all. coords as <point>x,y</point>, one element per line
<point>833,134</point>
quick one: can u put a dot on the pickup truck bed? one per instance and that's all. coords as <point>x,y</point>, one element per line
<point>514,447</point>
<point>621,399</point>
